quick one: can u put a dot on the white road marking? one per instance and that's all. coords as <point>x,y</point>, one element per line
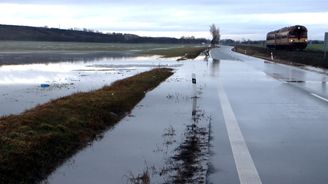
<point>320,97</point>
<point>246,169</point>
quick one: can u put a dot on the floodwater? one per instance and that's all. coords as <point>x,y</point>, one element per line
<point>177,133</point>
<point>164,139</point>
<point>20,85</point>
<point>171,149</point>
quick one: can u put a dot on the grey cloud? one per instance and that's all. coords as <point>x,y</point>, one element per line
<point>158,15</point>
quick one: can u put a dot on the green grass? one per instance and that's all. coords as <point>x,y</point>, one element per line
<point>316,47</point>
<point>35,142</point>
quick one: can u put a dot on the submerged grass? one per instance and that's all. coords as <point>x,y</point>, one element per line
<point>35,142</point>
<point>186,52</point>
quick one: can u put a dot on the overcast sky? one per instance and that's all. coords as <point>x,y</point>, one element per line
<point>237,19</point>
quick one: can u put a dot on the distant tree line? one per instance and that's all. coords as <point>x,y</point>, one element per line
<point>316,42</point>
<point>244,42</point>
<point>27,33</point>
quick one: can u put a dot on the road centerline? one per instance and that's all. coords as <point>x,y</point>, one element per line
<point>246,169</point>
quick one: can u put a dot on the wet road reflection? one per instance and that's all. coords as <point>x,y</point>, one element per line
<point>186,153</point>
<point>185,161</point>
<point>214,67</point>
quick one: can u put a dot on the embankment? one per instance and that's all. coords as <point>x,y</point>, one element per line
<point>294,57</point>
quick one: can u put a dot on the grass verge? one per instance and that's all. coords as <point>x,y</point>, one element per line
<point>299,58</point>
<point>35,142</point>
<point>316,47</point>
<point>186,52</point>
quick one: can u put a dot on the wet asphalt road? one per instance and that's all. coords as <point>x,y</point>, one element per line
<point>280,112</point>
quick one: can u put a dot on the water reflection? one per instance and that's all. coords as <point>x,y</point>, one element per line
<point>285,73</point>
<point>194,107</point>
<point>40,73</point>
<point>214,67</point>
<point>20,85</point>
<point>324,83</point>
<point>13,58</point>
<point>187,161</point>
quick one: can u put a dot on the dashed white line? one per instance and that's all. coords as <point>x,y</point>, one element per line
<point>320,97</point>
<point>246,169</point>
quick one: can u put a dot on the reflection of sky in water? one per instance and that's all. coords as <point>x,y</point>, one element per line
<point>20,84</point>
<point>34,73</point>
<point>59,72</point>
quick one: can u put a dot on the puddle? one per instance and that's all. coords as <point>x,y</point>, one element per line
<point>26,85</point>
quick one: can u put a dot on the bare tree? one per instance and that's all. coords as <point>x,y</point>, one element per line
<point>215,32</point>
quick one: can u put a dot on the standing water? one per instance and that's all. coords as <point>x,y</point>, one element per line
<point>165,139</point>
<point>27,85</point>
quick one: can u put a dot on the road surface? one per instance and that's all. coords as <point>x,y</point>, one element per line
<point>275,121</point>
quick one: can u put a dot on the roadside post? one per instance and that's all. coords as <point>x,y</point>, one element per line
<point>193,80</point>
<point>326,45</point>
<point>271,56</point>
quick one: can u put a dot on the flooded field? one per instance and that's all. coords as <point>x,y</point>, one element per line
<point>27,85</point>
<point>29,52</point>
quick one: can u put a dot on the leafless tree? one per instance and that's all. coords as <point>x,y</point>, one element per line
<point>215,32</point>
